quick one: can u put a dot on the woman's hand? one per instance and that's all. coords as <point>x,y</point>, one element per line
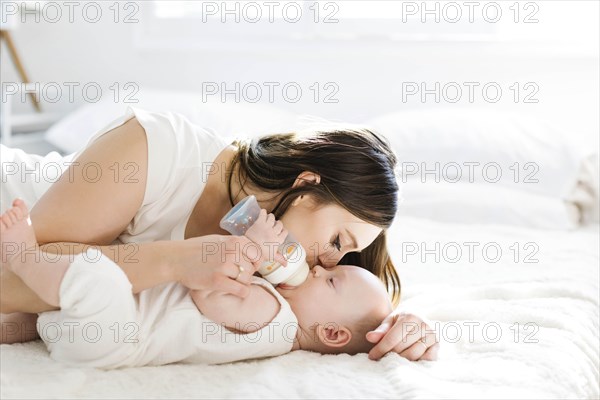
<point>215,262</point>
<point>405,334</point>
<point>226,263</point>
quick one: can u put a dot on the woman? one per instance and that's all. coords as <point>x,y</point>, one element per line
<point>151,188</point>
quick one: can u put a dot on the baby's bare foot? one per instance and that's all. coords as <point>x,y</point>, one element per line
<point>17,237</point>
<point>20,253</point>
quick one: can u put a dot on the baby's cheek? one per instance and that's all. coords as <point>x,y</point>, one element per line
<point>316,304</point>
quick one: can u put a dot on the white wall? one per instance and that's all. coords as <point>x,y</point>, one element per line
<point>369,74</point>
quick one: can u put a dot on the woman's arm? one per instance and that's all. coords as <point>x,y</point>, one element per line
<point>145,264</point>
<point>80,208</point>
<point>95,198</point>
<point>199,263</point>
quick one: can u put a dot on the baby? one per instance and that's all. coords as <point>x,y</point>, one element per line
<point>101,323</point>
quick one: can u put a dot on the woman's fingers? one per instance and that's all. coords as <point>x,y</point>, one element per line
<point>432,353</point>
<point>224,266</point>
<point>376,335</point>
<point>231,286</point>
<point>246,252</point>
<point>242,272</point>
<point>389,340</point>
<point>408,336</point>
<point>233,270</point>
<point>418,348</point>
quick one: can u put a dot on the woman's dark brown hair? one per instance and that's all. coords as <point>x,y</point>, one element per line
<point>356,167</point>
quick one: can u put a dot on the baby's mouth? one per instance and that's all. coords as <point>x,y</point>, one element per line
<point>286,286</point>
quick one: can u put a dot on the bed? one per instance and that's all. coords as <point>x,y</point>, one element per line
<point>558,297</point>
<point>507,276</point>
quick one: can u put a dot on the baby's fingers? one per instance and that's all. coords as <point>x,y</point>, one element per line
<point>281,259</point>
<point>262,215</point>
<point>278,227</point>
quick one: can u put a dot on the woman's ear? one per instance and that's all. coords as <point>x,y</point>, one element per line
<point>307,177</point>
<point>333,335</point>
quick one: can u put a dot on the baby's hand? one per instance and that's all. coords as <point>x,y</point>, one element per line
<point>268,234</point>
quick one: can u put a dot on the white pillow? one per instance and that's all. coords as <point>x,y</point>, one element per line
<point>72,132</point>
<point>468,203</point>
<point>453,138</point>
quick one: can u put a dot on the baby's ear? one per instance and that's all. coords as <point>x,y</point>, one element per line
<point>333,335</point>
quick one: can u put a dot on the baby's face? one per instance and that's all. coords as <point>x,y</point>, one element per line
<point>337,295</point>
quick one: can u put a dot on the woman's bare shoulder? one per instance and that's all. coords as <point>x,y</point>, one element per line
<point>101,191</point>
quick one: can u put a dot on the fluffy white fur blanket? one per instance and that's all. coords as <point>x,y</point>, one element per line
<point>555,356</point>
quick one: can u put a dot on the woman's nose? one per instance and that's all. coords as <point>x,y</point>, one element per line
<point>330,260</point>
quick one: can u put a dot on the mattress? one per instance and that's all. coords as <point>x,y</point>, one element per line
<point>516,320</point>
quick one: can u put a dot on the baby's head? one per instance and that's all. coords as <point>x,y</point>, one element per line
<point>336,307</point>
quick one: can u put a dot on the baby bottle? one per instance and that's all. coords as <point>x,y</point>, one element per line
<point>240,219</point>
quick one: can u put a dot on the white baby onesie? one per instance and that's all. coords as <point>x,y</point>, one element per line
<point>102,324</point>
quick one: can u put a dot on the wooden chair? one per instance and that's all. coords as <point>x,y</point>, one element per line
<point>12,51</point>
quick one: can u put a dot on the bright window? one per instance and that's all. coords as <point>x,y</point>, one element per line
<point>219,24</point>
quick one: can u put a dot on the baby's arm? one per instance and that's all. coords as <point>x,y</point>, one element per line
<point>245,315</point>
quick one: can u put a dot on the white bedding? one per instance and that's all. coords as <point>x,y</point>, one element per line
<point>560,294</point>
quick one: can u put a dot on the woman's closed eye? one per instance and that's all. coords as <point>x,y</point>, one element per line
<point>337,243</point>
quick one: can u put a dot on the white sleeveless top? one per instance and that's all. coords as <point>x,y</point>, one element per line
<point>180,159</point>
<point>102,324</point>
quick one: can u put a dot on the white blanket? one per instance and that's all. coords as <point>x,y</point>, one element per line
<point>559,295</point>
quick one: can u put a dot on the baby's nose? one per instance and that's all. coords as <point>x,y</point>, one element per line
<point>316,271</point>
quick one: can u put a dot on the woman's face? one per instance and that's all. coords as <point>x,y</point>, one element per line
<point>327,232</point>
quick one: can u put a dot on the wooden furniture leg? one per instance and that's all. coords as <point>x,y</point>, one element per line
<point>4,34</point>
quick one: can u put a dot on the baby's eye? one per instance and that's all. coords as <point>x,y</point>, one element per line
<point>331,282</point>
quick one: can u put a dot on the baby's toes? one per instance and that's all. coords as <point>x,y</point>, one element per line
<point>6,220</point>
<point>20,205</point>
<point>17,212</point>
<point>21,208</point>
<point>12,214</point>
